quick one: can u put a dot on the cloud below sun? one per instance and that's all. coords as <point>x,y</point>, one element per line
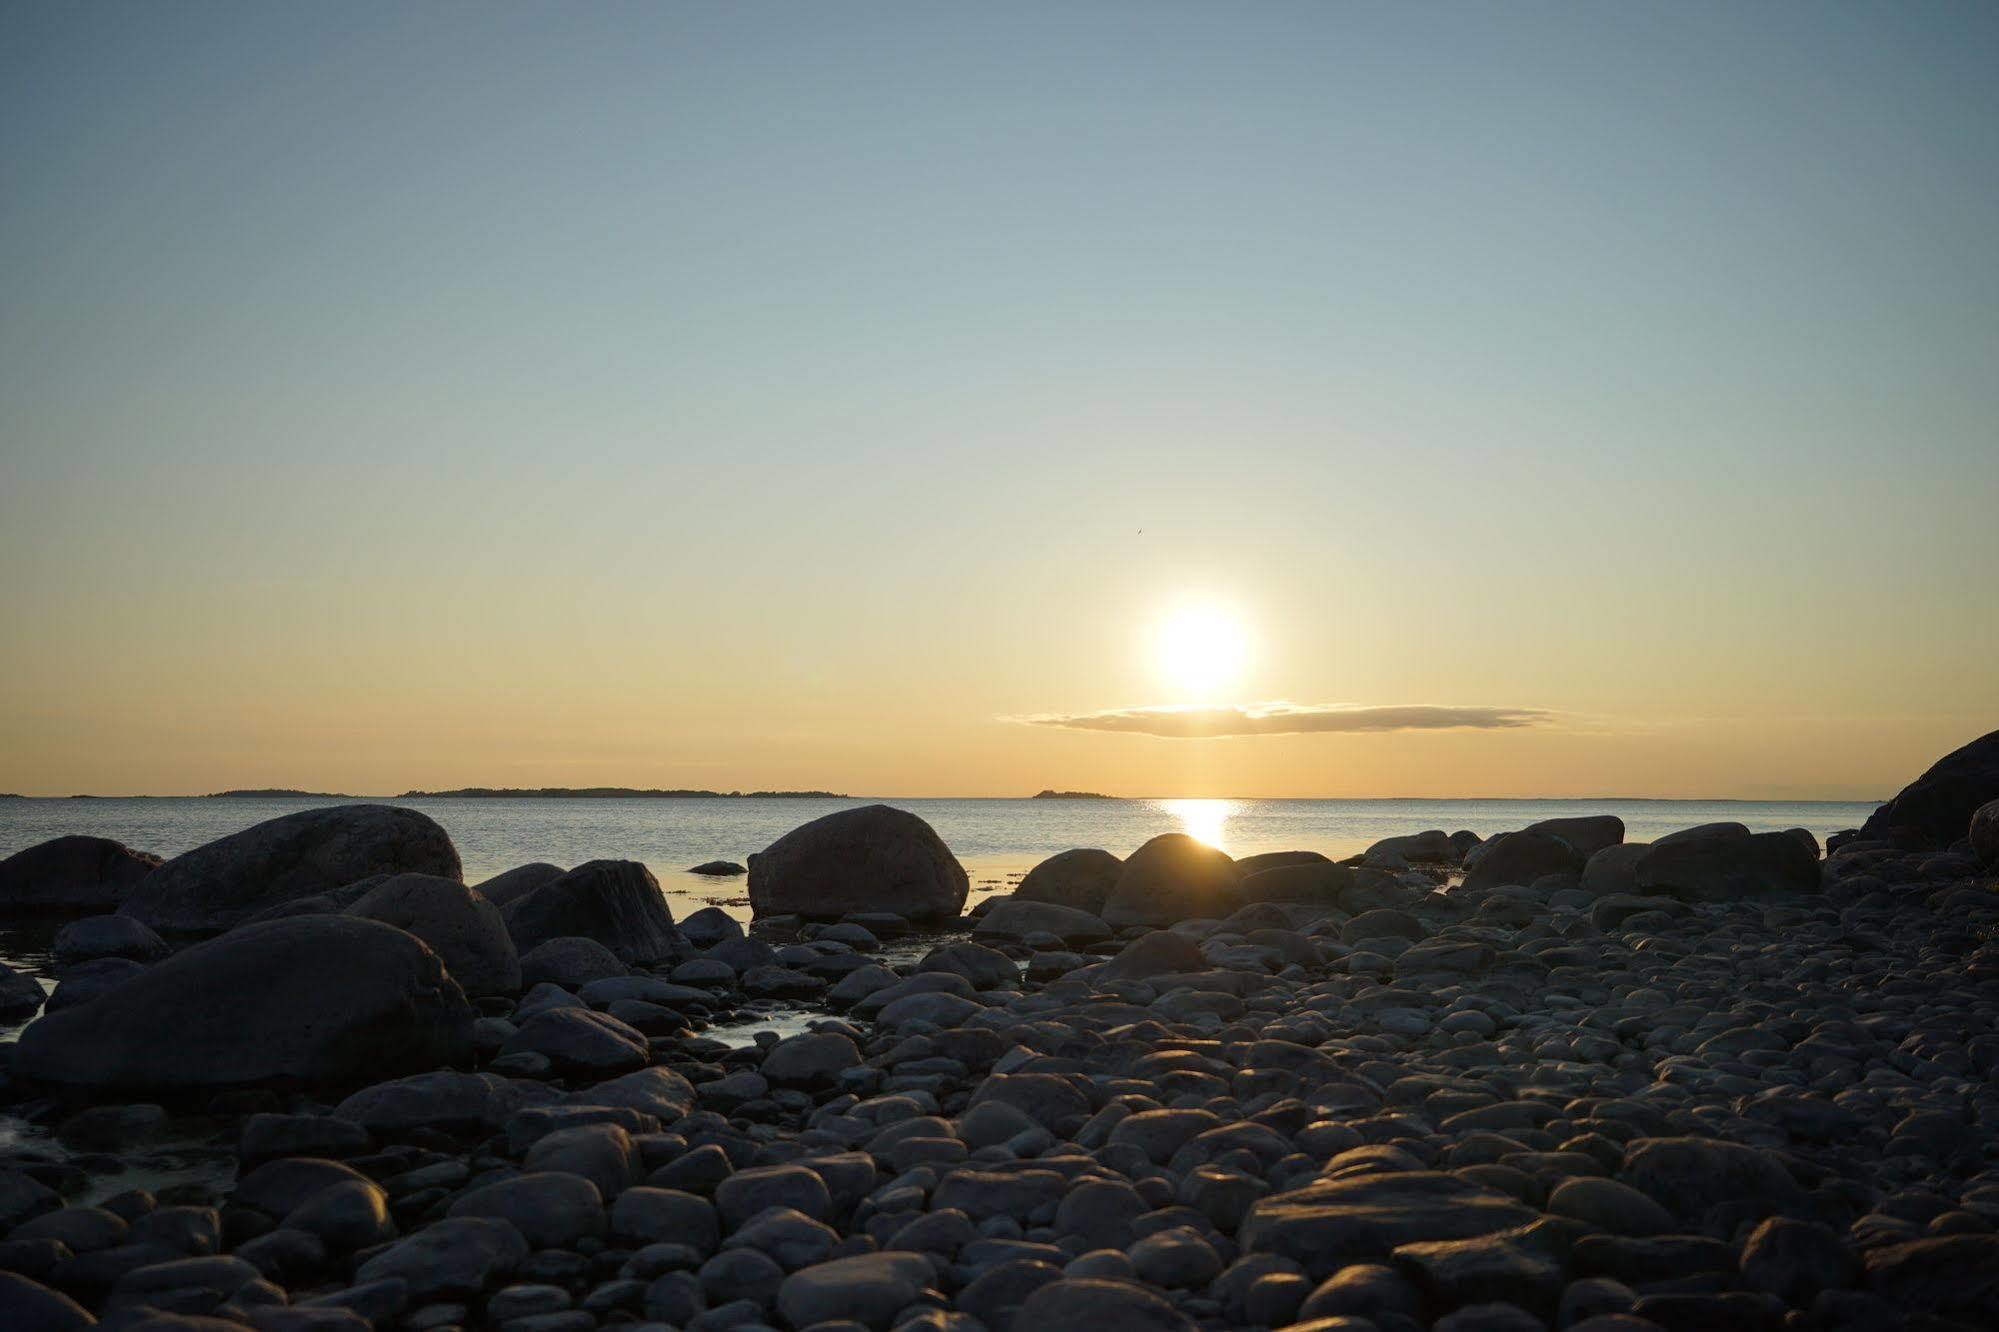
<point>1204,722</point>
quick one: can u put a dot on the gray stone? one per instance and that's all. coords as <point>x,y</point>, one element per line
<point>95,937</point>
<point>616,902</point>
<point>73,875</point>
<point>1173,878</point>
<point>456,1258</point>
<point>872,858</point>
<point>317,998</point>
<point>549,1209</point>
<point>460,926</point>
<point>1080,880</point>
<point>314,851</point>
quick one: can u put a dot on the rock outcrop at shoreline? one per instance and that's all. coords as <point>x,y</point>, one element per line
<point>1935,810</point>
<point>1676,1085</point>
<point>307,854</point>
<point>873,858</point>
<point>72,875</point>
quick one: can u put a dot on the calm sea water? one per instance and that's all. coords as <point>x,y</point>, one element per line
<point>998,840</point>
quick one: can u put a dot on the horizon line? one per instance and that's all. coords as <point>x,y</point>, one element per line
<point>640,793</point>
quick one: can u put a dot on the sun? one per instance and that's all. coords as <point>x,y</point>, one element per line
<point>1200,651</point>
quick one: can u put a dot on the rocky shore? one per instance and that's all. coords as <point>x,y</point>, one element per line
<point>1544,1080</point>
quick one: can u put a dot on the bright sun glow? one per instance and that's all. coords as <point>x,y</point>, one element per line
<point>1203,820</point>
<point>1201,651</point>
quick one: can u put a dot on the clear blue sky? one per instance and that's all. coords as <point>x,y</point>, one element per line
<point>774,395</point>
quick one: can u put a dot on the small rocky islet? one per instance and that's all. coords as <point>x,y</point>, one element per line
<point>1544,1080</point>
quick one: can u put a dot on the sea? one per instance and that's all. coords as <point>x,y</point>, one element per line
<point>997,840</point>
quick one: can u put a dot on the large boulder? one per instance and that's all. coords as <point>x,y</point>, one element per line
<point>1721,862</point>
<point>1320,883</point>
<point>873,858</point>
<point>1614,869</point>
<point>1082,879</point>
<point>1432,847</point>
<point>1935,809</point>
<point>311,853</point>
<point>615,902</point>
<point>504,887</point>
<point>1587,833</point>
<point>319,999</point>
<point>1173,878</point>
<point>461,927</point>
<point>77,875</point>
<point>1520,858</point>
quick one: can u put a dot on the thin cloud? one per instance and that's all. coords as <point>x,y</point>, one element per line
<point>1202,723</point>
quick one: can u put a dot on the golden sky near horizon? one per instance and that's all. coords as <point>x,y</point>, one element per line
<point>1594,402</point>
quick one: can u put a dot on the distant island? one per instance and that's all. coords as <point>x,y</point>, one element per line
<point>276,792</point>
<point>610,793</point>
<point>1074,795</point>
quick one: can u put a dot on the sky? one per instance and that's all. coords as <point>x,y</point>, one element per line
<point>1535,399</point>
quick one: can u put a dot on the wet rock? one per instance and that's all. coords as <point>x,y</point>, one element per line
<point>870,859</point>
<point>317,998</point>
<point>615,902</point>
<point>718,869</point>
<point>73,875</point>
<point>1173,878</point>
<point>462,927</point>
<point>314,851</point>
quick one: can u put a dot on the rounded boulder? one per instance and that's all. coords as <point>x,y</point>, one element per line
<point>873,858</point>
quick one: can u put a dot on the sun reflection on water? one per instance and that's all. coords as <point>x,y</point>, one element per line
<point>1204,820</point>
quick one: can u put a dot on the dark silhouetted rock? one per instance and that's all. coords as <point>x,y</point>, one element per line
<point>1614,869</point>
<point>107,936</point>
<point>1011,918</point>
<point>312,852</point>
<point>1587,833</point>
<point>1162,952</point>
<point>718,869</point>
<point>21,995</point>
<point>29,1306</point>
<point>1520,858</point>
<point>75,875</point>
<point>615,902</point>
<point>329,999</point>
<point>1724,862</point>
<point>1320,883</point>
<point>1173,878</point>
<point>1433,847</point>
<point>461,927</point>
<point>1985,833</point>
<point>504,887</point>
<point>874,858</point>
<point>1935,809</point>
<point>1085,1304</point>
<point>1081,879</point>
